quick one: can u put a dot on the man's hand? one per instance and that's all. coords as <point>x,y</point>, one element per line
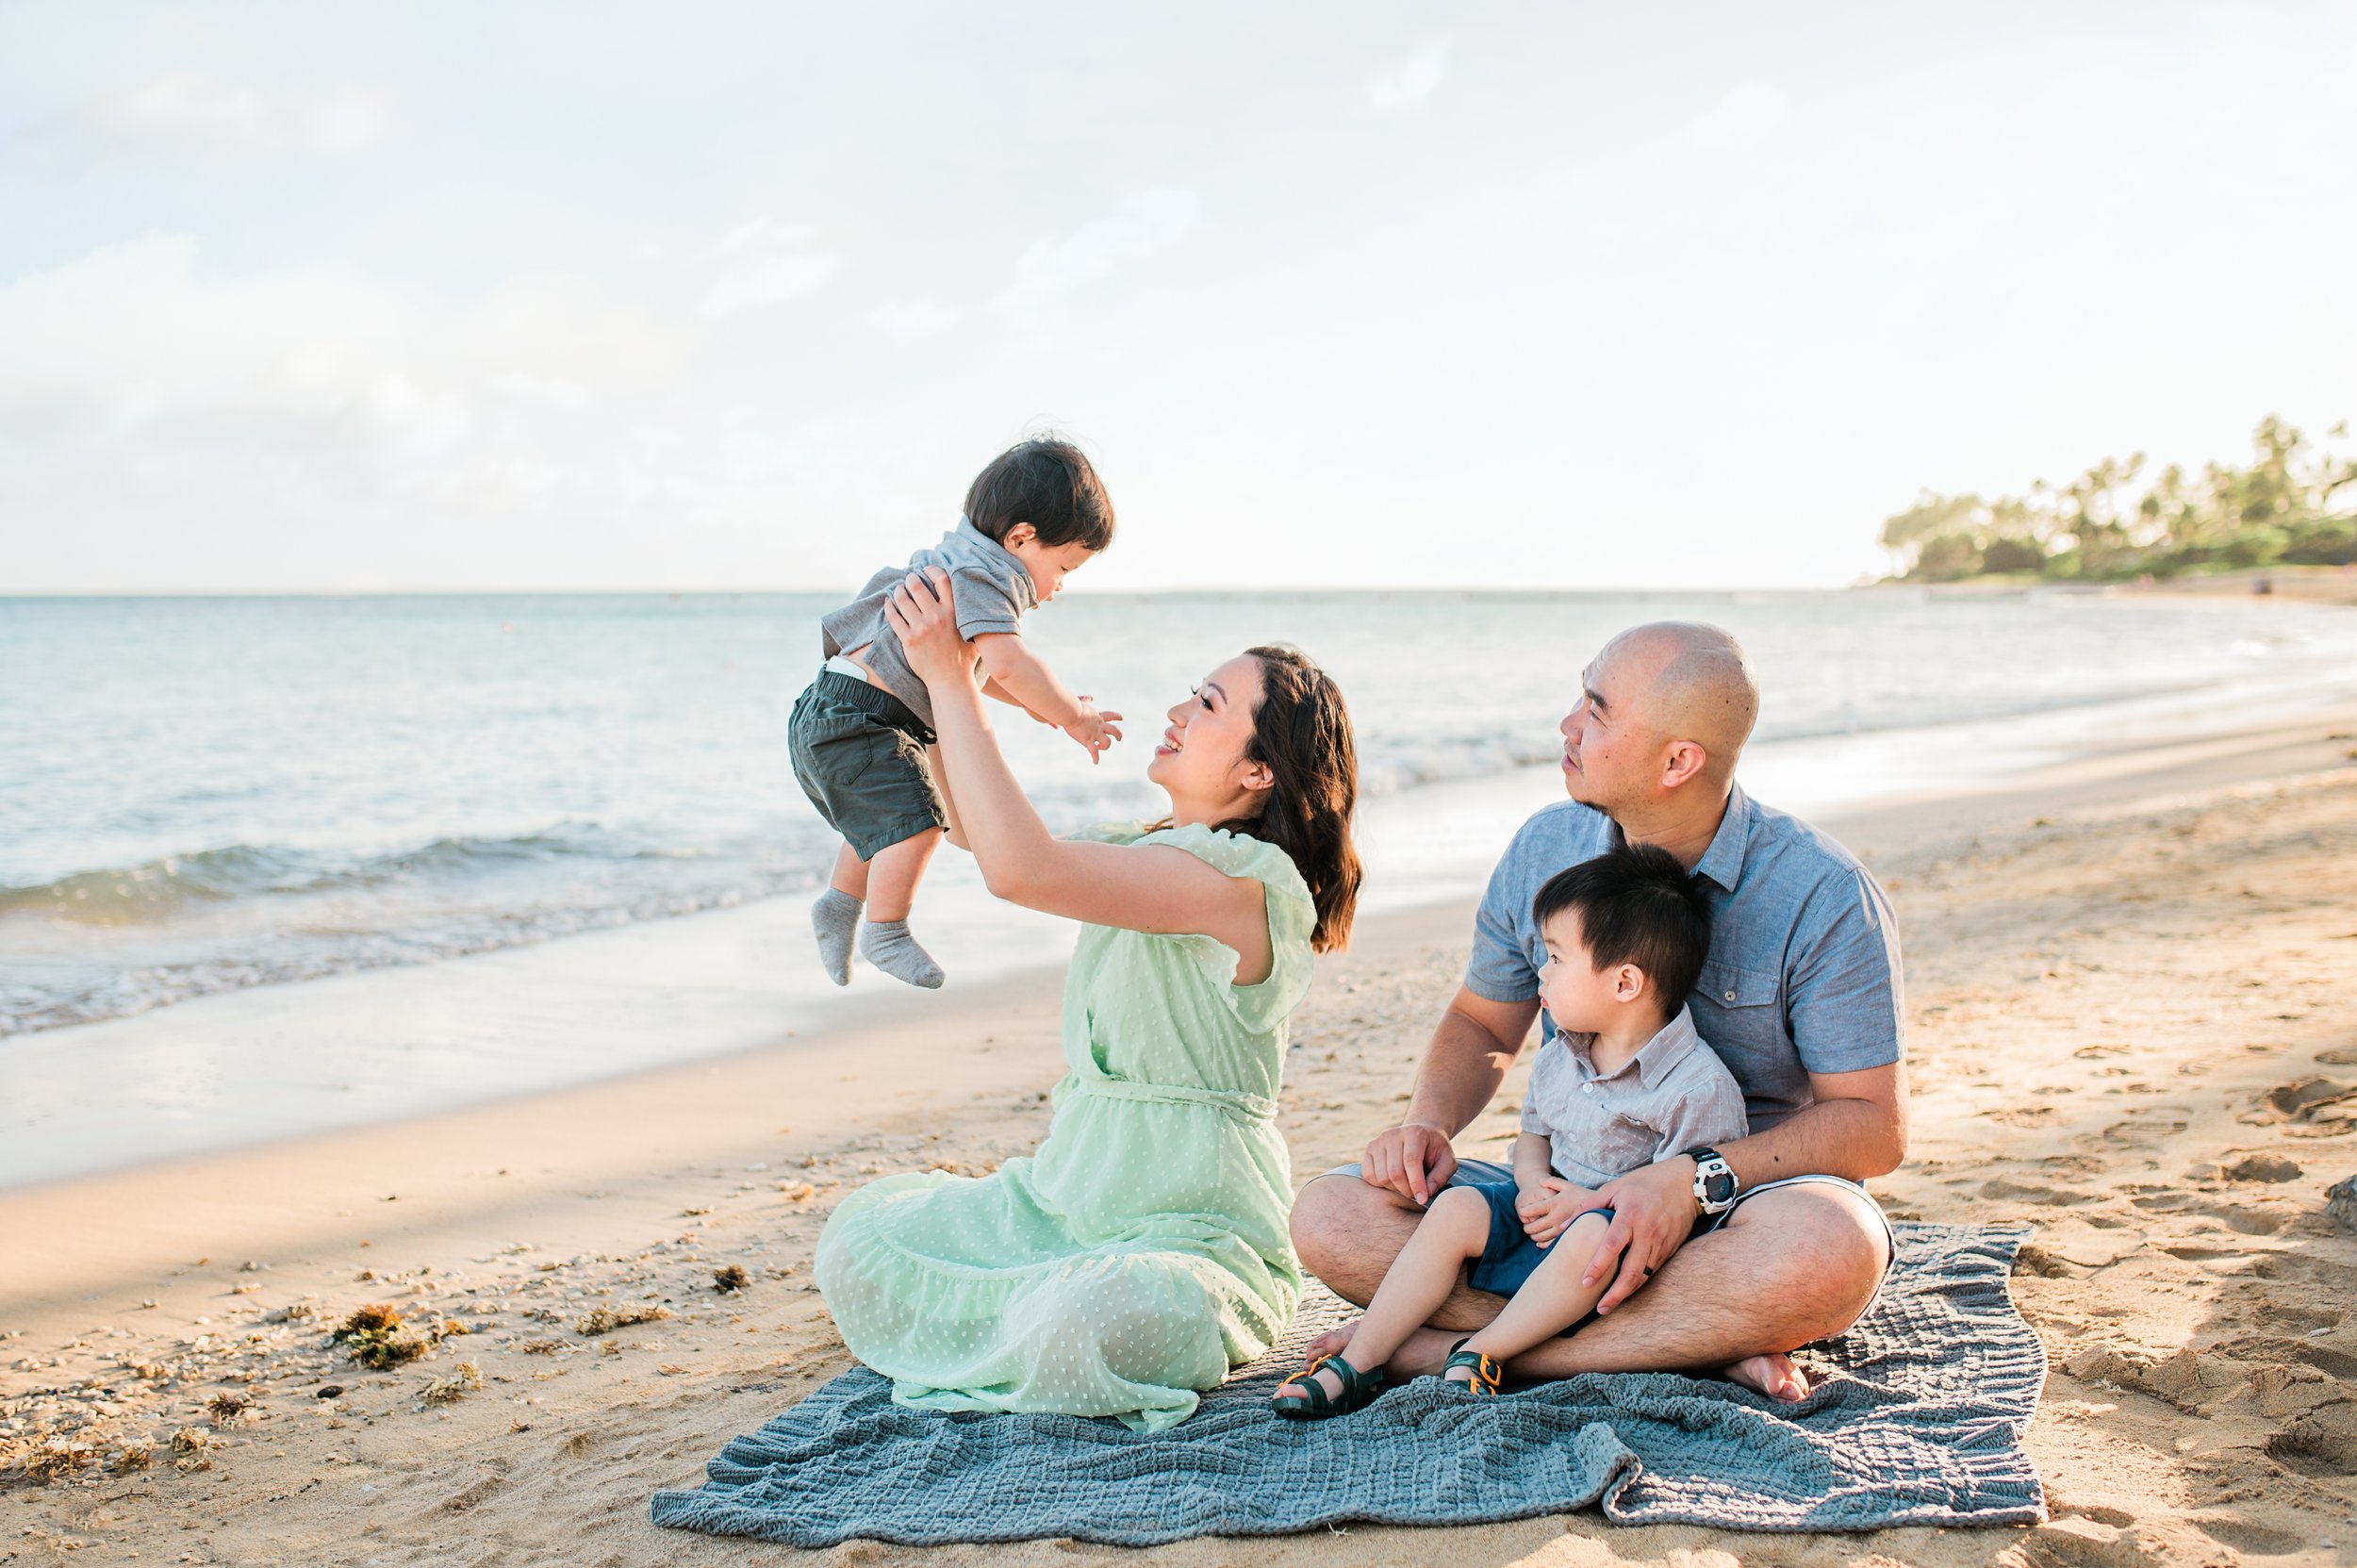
<point>1549,1204</point>
<point>1653,1210</point>
<point>1414,1160</point>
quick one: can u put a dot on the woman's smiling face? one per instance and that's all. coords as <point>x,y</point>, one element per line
<point>1201,757</point>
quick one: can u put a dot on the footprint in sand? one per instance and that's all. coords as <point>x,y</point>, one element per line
<point>2021,1116</point>
<point>2245,1536</point>
<point>2338,1279</point>
<point>2292,1317</point>
<point>2031,1192</point>
<point>2145,1128</point>
<point>2090,1538</point>
<point>2300,1097</point>
<point>2322,1442</point>
<point>2246,1219</point>
<point>2259,1167</point>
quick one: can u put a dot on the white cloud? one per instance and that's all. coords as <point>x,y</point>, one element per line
<point>917,319</point>
<point>141,316</point>
<point>1140,225</point>
<point>1417,78</point>
<point>764,263</point>
<point>184,111</point>
<point>134,358</point>
<point>1745,115</point>
<point>543,391</point>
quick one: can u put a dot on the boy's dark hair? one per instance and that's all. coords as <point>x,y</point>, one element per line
<point>1636,905</point>
<point>1047,483</point>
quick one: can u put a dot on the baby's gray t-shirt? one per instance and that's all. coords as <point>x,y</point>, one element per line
<point>991,588</point>
<point>1673,1096</point>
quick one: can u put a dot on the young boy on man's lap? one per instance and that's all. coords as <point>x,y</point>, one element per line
<point>1621,1082</point>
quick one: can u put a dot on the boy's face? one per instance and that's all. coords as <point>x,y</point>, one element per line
<point>1048,564</point>
<point>1580,997</point>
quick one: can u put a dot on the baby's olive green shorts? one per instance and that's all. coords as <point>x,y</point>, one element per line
<point>859,754</point>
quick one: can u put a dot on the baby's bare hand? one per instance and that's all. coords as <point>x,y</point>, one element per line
<point>1095,730</point>
<point>1533,1199</point>
<point>1545,1221</point>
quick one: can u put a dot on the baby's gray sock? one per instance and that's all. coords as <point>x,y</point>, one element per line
<point>834,918</point>
<point>888,946</point>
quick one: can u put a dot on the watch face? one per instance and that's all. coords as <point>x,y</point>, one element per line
<point>1720,1186</point>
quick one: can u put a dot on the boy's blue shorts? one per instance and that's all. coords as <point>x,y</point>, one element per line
<point>1511,1256</point>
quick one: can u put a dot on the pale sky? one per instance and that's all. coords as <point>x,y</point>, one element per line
<point>412,296</point>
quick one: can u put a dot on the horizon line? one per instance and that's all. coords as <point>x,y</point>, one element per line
<point>1173,589</point>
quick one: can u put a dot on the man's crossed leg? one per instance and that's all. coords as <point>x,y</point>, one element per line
<point>1792,1264</point>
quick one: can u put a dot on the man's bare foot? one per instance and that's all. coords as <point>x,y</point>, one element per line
<point>1774,1375</point>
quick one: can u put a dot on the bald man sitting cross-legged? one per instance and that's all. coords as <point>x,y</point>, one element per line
<point>1745,1252</point>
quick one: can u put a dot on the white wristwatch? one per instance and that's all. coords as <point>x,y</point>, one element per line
<point>1715,1186</point>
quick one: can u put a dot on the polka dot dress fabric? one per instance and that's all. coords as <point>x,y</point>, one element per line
<point>1142,1252</point>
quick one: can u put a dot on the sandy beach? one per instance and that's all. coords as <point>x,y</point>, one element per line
<point>445,460</point>
<point>2130,986</point>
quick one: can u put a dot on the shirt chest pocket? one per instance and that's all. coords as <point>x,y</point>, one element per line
<point>1732,988</point>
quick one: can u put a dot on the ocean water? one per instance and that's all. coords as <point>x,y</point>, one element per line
<point>203,794</point>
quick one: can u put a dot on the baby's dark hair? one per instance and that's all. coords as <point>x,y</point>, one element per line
<point>1047,483</point>
<point>1636,905</point>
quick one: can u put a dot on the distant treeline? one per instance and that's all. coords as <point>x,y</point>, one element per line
<point>2293,505</point>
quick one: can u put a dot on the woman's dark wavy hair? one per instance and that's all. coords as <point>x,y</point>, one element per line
<point>1301,734</point>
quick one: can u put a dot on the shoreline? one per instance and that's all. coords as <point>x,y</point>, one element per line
<point>208,901</point>
<point>2285,585</point>
<point>2109,963</point>
<point>802,1085</point>
<point>268,1063</point>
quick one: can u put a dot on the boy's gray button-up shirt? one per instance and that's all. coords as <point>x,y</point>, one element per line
<point>991,586</point>
<point>1672,1095</point>
<point>1804,972</point>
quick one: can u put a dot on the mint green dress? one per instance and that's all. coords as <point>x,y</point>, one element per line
<point>1142,1251</point>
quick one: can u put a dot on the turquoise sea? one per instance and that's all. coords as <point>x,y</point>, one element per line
<point>203,794</point>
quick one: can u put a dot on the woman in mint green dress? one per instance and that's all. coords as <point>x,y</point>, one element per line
<point>1142,1252</point>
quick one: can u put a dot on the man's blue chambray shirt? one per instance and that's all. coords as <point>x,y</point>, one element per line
<point>1804,972</point>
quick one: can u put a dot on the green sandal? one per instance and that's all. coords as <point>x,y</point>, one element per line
<point>1486,1372</point>
<point>1358,1391</point>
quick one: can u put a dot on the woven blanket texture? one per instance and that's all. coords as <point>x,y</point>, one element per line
<point>1916,1419</point>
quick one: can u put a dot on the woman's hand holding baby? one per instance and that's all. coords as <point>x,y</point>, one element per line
<point>924,611</point>
<point>1550,1204</point>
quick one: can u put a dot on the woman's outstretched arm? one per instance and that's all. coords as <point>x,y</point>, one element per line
<point>1148,888</point>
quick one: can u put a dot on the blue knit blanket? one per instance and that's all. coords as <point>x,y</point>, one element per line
<point>1916,1419</point>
